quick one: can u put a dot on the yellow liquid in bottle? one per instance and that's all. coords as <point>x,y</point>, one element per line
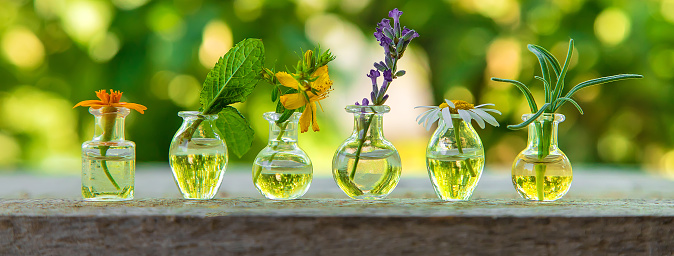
<point>555,172</point>
<point>282,179</point>
<point>454,177</point>
<point>377,174</point>
<point>198,175</point>
<point>97,186</point>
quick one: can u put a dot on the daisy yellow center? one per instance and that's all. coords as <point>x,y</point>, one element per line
<point>459,104</point>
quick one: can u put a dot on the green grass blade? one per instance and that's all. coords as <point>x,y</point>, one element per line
<point>546,86</point>
<point>559,102</point>
<point>560,80</point>
<point>523,88</point>
<point>548,56</point>
<point>601,80</point>
<point>531,119</point>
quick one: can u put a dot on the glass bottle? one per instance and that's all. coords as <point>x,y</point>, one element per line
<point>542,172</point>
<point>366,165</point>
<point>198,161</point>
<point>455,160</point>
<point>108,160</point>
<point>282,170</point>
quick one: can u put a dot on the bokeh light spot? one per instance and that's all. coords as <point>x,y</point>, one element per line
<point>129,4</point>
<point>667,10</point>
<point>166,22</point>
<point>217,40</point>
<point>460,93</point>
<point>544,20</point>
<point>104,47</point>
<point>503,59</point>
<point>612,26</point>
<point>22,48</point>
<point>83,20</point>
<point>11,150</point>
<point>248,10</point>
<point>667,164</point>
<point>614,147</point>
<point>184,90</point>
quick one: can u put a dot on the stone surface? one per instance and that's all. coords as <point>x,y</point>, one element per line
<point>607,212</point>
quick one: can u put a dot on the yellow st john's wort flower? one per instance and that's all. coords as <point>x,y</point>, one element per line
<point>110,100</point>
<point>309,93</point>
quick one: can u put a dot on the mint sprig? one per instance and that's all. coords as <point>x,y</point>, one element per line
<point>231,80</point>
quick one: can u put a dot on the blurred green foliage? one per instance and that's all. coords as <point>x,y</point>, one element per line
<point>58,52</point>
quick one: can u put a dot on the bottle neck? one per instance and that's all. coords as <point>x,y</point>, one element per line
<point>283,133</point>
<point>109,127</point>
<point>543,135</point>
<point>369,122</point>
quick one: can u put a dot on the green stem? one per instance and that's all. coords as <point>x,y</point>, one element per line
<point>457,138</point>
<point>544,131</point>
<point>283,127</point>
<point>360,147</point>
<point>108,123</point>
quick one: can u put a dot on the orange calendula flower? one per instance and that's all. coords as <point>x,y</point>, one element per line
<point>309,93</point>
<point>110,100</point>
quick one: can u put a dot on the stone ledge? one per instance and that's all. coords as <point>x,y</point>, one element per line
<point>247,226</point>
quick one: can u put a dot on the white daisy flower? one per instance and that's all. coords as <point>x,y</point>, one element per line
<point>457,109</point>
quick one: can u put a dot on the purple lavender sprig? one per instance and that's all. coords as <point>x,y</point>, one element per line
<point>395,41</point>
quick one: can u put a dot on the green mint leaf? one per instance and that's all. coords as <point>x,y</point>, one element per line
<point>233,77</point>
<point>236,129</point>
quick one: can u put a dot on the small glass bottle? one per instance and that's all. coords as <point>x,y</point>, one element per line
<point>108,160</point>
<point>282,170</point>
<point>455,168</point>
<point>198,156</point>
<point>542,172</point>
<point>367,166</point>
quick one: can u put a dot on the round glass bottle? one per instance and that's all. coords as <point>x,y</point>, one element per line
<point>282,170</point>
<point>198,161</point>
<point>455,160</point>
<point>366,165</point>
<point>108,160</point>
<point>542,172</point>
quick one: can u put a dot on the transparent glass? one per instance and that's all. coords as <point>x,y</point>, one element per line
<point>455,160</point>
<point>108,160</point>
<point>282,170</point>
<point>198,163</point>
<point>542,172</point>
<point>367,166</point>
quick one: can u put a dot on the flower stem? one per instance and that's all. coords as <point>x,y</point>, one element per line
<point>544,131</point>
<point>361,141</point>
<point>457,138</point>
<point>108,123</point>
<point>283,127</point>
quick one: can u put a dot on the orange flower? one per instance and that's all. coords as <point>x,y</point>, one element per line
<point>110,100</point>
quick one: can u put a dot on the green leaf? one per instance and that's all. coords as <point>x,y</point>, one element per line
<point>280,108</point>
<point>546,86</point>
<point>531,119</point>
<point>559,102</point>
<point>274,93</point>
<point>548,56</point>
<point>525,90</point>
<point>285,116</point>
<point>601,80</point>
<point>544,70</point>
<point>236,130</point>
<point>233,77</point>
<point>560,79</point>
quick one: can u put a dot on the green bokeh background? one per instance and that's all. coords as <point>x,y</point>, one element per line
<point>55,53</point>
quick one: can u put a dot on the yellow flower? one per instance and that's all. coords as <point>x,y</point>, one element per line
<point>309,93</point>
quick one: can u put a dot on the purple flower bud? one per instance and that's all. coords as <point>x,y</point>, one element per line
<point>388,77</point>
<point>357,104</point>
<point>373,75</point>
<point>395,15</point>
<point>365,102</point>
<point>409,34</point>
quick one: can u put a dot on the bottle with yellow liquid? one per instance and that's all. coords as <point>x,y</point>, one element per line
<point>542,172</point>
<point>367,166</point>
<point>108,160</point>
<point>282,170</point>
<point>198,163</point>
<point>455,160</point>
